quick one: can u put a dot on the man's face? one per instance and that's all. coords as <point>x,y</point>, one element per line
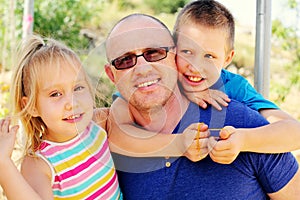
<point>147,84</point>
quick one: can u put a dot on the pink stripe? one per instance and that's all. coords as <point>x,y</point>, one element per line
<point>58,148</point>
<point>112,182</point>
<point>82,177</point>
<point>83,165</point>
<point>43,145</point>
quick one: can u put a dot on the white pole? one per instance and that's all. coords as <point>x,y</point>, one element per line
<point>263,47</point>
<point>28,17</point>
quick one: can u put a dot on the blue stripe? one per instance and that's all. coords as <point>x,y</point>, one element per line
<point>80,147</point>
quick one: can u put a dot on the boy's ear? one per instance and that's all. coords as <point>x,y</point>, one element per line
<point>229,58</point>
<point>32,111</point>
<point>109,72</point>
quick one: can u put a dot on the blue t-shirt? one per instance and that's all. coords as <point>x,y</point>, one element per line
<point>238,88</point>
<point>250,176</point>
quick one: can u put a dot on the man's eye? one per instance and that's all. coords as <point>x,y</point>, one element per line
<point>208,56</point>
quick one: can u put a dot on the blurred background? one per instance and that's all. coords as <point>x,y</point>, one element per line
<point>84,24</point>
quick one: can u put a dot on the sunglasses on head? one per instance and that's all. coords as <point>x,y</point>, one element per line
<point>151,55</point>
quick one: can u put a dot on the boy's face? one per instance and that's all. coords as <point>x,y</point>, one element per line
<point>201,55</point>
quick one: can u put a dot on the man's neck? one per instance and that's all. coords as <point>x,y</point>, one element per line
<point>165,118</point>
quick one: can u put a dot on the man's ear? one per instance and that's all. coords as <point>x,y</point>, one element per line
<point>109,72</point>
<point>32,111</point>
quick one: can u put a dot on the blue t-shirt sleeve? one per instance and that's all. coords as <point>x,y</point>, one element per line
<point>274,171</point>
<point>238,88</point>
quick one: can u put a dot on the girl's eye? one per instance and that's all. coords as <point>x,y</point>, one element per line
<point>55,94</point>
<point>78,88</point>
<point>208,56</point>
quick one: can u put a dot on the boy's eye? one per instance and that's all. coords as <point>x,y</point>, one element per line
<point>208,56</point>
<point>55,94</point>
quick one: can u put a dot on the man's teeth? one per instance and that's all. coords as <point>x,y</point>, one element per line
<point>145,84</point>
<point>74,116</point>
<point>194,79</point>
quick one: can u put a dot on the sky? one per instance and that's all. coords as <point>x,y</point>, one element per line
<point>244,11</point>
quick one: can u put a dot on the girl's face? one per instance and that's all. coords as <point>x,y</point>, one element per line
<point>64,101</point>
<point>201,55</point>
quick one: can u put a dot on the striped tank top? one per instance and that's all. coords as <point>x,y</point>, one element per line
<point>82,168</point>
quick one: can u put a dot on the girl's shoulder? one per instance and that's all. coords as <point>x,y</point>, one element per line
<point>34,164</point>
<point>38,174</point>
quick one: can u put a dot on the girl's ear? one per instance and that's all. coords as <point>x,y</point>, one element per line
<point>109,72</point>
<point>33,111</point>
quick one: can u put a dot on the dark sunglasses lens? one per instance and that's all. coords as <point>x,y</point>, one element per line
<point>153,55</point>
<point>125,62</point>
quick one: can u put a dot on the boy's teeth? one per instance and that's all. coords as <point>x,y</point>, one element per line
<point>193,78</point>
<point>145,84</point>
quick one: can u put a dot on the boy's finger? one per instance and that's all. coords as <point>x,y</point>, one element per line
<point>222,102</point>
<point>226,132</point>
<point>202,104</point>
<point>216,105</point>
<point>222,95</point>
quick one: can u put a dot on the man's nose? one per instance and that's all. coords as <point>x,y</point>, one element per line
<point>142,66</point>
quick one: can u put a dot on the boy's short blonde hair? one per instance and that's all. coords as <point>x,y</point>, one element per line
<point>208,13</point>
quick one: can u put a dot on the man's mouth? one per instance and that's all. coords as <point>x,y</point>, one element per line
<point>147,83</point>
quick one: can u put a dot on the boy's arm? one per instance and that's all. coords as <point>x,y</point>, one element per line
<point>127,139</point>
<point>281,135</point>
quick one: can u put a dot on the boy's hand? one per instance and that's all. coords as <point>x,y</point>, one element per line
<point>225,150</point>
<point>196,146</point>
<point>214,97</point>
<point>7,138</point>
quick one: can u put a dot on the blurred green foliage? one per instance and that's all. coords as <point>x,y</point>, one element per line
<point>288,41</point>
<point>166,6</point>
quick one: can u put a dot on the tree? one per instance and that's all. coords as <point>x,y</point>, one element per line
<point>166,6</point>
<point>288,37</point>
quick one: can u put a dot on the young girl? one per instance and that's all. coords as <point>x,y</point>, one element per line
<point>66,154</point>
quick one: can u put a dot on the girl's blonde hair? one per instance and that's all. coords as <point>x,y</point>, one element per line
<point>34,54</point>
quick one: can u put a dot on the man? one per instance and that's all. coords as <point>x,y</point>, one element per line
<point>141,53</point>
